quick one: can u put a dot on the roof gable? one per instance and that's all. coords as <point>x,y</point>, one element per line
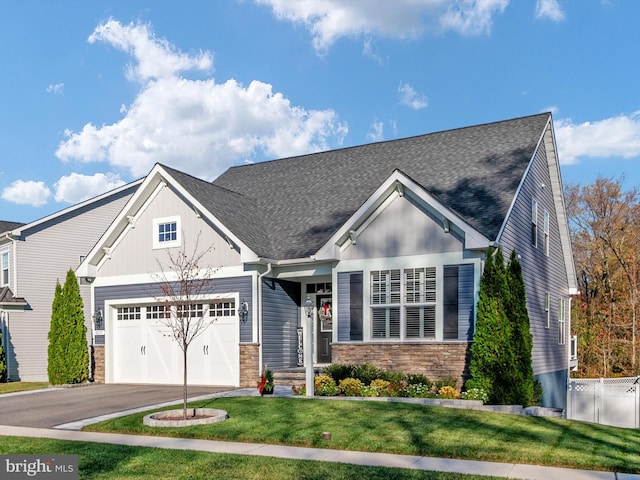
<point>473,171</point>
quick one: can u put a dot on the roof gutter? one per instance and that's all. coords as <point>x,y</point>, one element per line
<point>290,261</point>
<point>259,311</point>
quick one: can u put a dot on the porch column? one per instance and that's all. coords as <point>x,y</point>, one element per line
<point>308,348</point>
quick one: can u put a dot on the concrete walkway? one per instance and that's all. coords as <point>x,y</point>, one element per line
<point>506,470</point>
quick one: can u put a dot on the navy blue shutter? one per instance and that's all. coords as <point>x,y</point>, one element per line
<point>450,302</point>
<point>355,309</point>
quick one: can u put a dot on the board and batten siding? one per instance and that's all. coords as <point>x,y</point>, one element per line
<point>542,274</point>
<point>44,255</point>
<point>403,228</point>
<point>281,317</point>
<point>242,285</point>
<point>134,252</point>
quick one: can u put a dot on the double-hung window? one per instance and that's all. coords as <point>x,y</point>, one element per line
<point>546,233</point>
<point>4,265</point>
<point>403,303</point>
<point>534,223</point>
<point>562,333</point>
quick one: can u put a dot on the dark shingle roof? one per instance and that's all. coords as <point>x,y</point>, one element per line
<point>289,208</point>
<point>8,226</point>
<point>237,212</point>
<point>6,297</point>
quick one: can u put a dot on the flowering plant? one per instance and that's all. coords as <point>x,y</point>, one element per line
<point>265,384</point>
<point>448,392</point>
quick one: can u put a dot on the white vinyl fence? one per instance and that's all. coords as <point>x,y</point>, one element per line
<point>609,401</point>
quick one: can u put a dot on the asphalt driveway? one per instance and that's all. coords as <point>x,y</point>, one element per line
<point>51,407</point>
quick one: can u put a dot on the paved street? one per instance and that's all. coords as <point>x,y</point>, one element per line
<point>45,409</point>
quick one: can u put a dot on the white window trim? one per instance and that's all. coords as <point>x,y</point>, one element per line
<point>547,310</point>
<point>157,244</point>
<point>403,304</point>
<point>2,269</point>
<point>534,223</point>
<point>546,233</point>
<point>562,322</point>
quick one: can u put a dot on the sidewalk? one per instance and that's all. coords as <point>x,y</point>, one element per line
<point>507,470</point>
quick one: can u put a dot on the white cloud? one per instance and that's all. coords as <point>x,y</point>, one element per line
<point>330,20</point>
<point>612,137</point>
<point>377,134</point>
<point>56,88</point>
<point>29,192</point>
<point>549,9</point>
<point>411,98</point>
<point>75,188</point>
<point>198,126</point>
<point>154,57</point>
<point>472,17</point>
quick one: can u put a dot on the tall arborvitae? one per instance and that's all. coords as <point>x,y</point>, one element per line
<point>68,350</point>
<point>521,332</point>
<point>492,358</point>
<point>78,353</point>
<point>55,364</point>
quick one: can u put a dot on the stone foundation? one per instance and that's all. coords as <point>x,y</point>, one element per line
<point>434,360</point>
<point>98,363</point>
<point>249,364</point>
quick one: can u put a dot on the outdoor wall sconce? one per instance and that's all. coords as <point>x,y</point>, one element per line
<point>98,319</point>
<point>243,311</point>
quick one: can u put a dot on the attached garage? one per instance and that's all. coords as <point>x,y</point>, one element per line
<point>141,347</point>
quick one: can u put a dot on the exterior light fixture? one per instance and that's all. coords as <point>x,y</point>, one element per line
<point>243,311</point>
<point>98,320</point>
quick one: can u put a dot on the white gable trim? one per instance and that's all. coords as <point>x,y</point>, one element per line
<point>157,179</point>
<point>561,211</point>
<point>18,231</point>
<point>397,185</point>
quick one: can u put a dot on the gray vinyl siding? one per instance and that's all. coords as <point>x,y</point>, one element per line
<point>541,273</point>
<point>134,252</point>
<point>424,233</point>
<point>242,285</point>
<point>281,317</point>
<point>45,253</point>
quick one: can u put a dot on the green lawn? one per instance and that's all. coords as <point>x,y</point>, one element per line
<point>118,462</point>
<point>409,429</point>
<point>12,387</point>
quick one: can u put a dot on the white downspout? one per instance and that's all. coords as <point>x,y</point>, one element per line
<point>259,315</point>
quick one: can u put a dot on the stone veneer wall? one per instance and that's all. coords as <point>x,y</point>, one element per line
<point>249,364</point>
<point>435,360</point>
<point>98,363</point>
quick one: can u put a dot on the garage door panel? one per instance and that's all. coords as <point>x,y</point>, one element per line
<point>129,351</point>
<point>164,356</point>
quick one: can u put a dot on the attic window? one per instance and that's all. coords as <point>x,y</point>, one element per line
<point>166,232</point>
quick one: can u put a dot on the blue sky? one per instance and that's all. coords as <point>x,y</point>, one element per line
<point>93,94</point>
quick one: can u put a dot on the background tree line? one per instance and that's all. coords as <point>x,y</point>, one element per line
<point>604,219</point>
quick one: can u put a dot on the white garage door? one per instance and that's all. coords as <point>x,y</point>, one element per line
<point>145,352</point>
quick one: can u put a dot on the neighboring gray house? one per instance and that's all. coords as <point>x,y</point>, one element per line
<point>33,257</point>
<point>388,240</point>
